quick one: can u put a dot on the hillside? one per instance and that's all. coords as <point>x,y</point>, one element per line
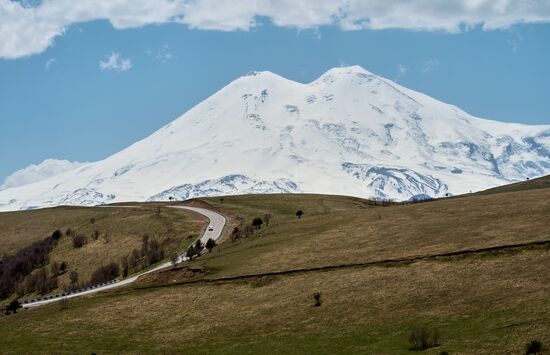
<point>349,132</point>
<point>119,231</point>
<point>472,268</point>
<point>531,184</point>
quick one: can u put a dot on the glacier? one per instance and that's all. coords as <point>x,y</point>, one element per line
<point>349,132</point>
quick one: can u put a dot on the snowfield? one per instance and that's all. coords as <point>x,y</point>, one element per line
<point>349,132</point>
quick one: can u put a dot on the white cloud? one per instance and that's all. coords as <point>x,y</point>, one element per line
<point>49,63</point>
<point>38,172</point>
<point>430,64</point>
<point>162,55</point>
<point>115,62</point>
<point>27,30</point>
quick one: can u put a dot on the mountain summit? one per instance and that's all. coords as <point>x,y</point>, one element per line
<point>349,132</point>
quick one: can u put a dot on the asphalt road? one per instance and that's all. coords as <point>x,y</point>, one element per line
<point>217,222</point>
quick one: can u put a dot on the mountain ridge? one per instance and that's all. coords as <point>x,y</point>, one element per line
<point>348,132</point>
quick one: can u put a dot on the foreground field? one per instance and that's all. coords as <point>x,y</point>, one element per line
<point>481,305</point>
<point>255,295</point>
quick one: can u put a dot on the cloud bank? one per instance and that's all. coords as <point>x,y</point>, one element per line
<point>30,27</point>
<point>38,172</point>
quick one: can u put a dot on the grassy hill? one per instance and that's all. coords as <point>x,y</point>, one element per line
<point>533,184</point>
<point>473,268</point>
<point>123,226</point>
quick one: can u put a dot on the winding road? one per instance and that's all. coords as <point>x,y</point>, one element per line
<point>217,222</point>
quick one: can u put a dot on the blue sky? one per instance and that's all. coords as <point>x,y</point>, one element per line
<point>59,101</point>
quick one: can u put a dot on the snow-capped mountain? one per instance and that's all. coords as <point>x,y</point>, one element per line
<point>349,132</point>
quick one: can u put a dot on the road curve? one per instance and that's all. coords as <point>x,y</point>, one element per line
<point>216,221</point>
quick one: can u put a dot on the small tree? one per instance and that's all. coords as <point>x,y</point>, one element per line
<point>210,244</point>
<point>73,277</point>
<point>63,267</point>
<point>107,237</point>
<point>317,298</point>
<point>64,303</point>
<point>92,220</point>
<point>125,266</point>
<point>79,241</point>
<point>257,222</point>
<point>236,234</point>
<point>248,230</point>
<point>54,268</point>
<point>299,214</point>
<point>13,307</point>
<point>190,253</point>
<point>56,235</point>
<point>267,218</point>
<point>422,338</point>
<point>198,247</point>
<point>533,347</point>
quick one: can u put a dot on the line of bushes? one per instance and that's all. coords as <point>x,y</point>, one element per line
<point>14,268</point>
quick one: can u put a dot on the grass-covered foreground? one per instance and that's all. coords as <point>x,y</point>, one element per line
<point>256,294</point>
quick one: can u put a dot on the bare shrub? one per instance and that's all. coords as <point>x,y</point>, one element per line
<point>257,222</point>
<point>267,218</point>
<point>64,303</point>
<point>317,298</point>
<point>533,347</point>
<point>79,241</point>
<point>105,273</point>
<point>423,338</point>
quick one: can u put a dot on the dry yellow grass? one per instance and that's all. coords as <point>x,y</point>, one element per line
<point>336,230</point>
<point>489,305</point>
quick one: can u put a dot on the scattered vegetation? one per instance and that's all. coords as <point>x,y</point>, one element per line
<point>12,307</point>
<point>257,222</point>
<point>40,282</point>
<point>150,253</point>
<point>423,338</point>
<point>317,299</point>
<point>533,347</point>
<point>79,240</point>
<point>64,303</point>
<point>73,277</point>
<point>104,274</point>
<point>14,268</point>
<point>195,250</point>
<point>267,218</point>
<point>210,244</point>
